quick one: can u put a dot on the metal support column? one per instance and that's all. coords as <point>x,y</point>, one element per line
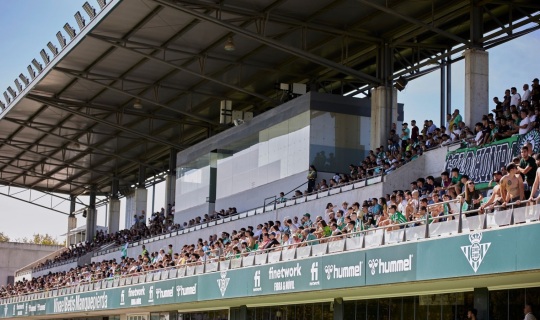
<point>448,85</point>
<point>170,182</point>
<point>91,216</point>
<point>114,208</point>
<point>141,194</point>
<point>443,93</point>
<point>72,221</point>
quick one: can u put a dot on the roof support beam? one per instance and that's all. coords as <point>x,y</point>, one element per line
<point>273,17</point>
<point>85,145</point>
<point>81,75</point>
<point>273,43</point>
<point>181,68</point>
<point>413,21</point>
<point>105,122</point>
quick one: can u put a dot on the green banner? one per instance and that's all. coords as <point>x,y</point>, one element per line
<point>480,253</point>
<point>479,163</point>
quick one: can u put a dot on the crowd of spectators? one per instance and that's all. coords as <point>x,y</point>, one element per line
<point>428,200</point>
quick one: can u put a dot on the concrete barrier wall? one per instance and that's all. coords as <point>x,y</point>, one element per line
<point>14,256</point>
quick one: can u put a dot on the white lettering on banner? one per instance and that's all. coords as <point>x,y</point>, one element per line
<point>334,272</point>
<point>78,303</point>
<point>284,285</point>
<point>186,291</point>
<point>151,294</point>
<point>136,292</point>
<point>391,266</point>
<point>285,272</point>
<point>257,281</point>
<point>122,298</point>
<point>136,301</point>
<point>165,293</point>
<point>36,307</point>
<point>314,274</point>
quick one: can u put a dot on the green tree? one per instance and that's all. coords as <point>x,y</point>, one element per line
<point>3,237</point>
<point>37,238</point>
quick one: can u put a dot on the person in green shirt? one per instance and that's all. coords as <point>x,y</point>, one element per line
<point>455,180</point>
<point>396,217</point>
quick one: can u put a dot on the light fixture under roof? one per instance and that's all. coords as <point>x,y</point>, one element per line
<point>229,46</point>
<point>7,98</point>
<point>24,79</point>
<point>31,71</point>
<point>80,20</point>
<point>70,31</point>
<point>137,104</point>
<point>2,106</point>
<point>18,85</point>
<point>45,56</point>
<point>53,48</point>
<point>102,3</point>
<point>89,10</point>
<point>61,39</point>
<point>36,64</point>
<point>12,92</point>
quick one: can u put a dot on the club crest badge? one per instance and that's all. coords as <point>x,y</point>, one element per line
<point>475,252</point>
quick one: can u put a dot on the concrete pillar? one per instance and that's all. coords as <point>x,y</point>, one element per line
<point>170,189</point>
<point>113,221</point>
<point>72,221</point>
<point>114,215</point>
<point>91,217</point>
<point>141,202</point>
<point>130,210</point>
<point>383,105</point>
<point>476,85</point>
<point>72,224</point>
<point>481,302</point>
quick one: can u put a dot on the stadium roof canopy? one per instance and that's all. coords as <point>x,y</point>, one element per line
<point>70,121</point>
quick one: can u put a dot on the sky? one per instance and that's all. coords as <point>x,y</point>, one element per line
<point>29,24</point>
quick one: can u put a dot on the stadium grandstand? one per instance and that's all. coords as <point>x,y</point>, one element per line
<point>295,188</point>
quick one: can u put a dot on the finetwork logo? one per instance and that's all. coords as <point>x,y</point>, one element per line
<point>223,282</point>
<point>122,298</point>
<point>476,252</point>
<point>151,294</point>
<point>257,281</point>
<point>314,274</point>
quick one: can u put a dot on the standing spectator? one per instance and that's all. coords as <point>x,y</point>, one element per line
<point>523,126</point>
<point>527,167</point>
<point>311,177</point>
<point>414,131</point>
<point>512,185</point>
<point>506,100</point>
<point>405,135</point>
<point>515,97</point>
<point>526,96</point>
<point>535,92</point>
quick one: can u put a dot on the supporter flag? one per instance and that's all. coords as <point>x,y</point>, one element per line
<point>124,250</point>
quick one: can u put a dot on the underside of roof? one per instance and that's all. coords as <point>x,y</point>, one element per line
<point>74,127</point>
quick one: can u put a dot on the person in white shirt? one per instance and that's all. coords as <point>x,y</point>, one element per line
<point>515,97</point>
<point>524,124</point>
<point>527,310</point>
<point>526,96</point>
